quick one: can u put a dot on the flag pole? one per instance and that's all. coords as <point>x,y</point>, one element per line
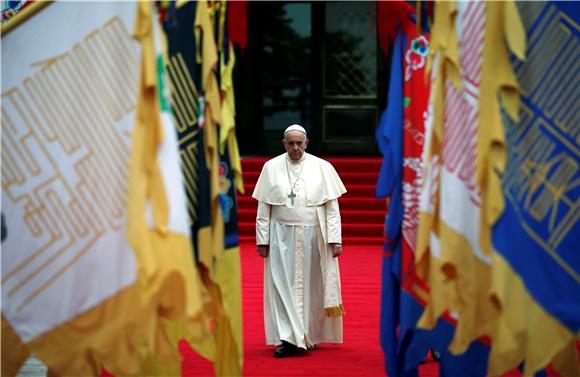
<point>23,15</point>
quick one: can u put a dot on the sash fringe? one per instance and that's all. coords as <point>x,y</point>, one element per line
<point>335,311</point>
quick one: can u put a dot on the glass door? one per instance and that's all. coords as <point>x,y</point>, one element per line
<point>349,103</point>
<point>312,63</point>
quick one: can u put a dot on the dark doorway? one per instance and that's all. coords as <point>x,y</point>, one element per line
<point>317,64</point>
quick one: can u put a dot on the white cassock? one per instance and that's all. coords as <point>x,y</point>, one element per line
<point>302,298</point>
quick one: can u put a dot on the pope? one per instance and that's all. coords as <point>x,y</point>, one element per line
<point>298,232</point>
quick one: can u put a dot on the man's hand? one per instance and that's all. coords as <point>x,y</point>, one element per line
<point>336,249</point>
<point>263,250</point>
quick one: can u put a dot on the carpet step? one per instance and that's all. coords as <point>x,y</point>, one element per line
<point>346,203</point>
<point>348,230</point>
<point>363,216</point>
<point>353,189</point>
<point>361,164</point>
<point>365,190</point>
<point>248,215</point>
<point>363,230</point>
<point>347,241</point>
<point>347,177</point>
<point>361,204</point>
<point>356,216</point>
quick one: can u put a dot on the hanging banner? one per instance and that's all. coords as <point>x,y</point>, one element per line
<point>68,101</point>
<point>96,248</point>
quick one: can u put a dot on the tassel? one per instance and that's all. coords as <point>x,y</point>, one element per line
<point>335,311</point>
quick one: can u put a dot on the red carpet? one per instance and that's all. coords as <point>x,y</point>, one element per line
<point>363,217</point>
<point>360,355</point>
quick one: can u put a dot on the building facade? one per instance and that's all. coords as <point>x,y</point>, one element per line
<point>315,63</point>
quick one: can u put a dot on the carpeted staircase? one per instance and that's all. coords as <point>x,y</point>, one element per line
<point>363,216</point>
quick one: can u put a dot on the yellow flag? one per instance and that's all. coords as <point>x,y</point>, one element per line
<point>192,62</point>
<point>536,271</point>
<point>461,198</point>
<point>97,254</point>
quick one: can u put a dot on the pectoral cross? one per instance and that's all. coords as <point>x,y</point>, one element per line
<point>292,195</point>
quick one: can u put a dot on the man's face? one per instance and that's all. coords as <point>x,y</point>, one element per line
<point>295,143</point>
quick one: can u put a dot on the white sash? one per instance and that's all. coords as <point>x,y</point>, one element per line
<point>304,216</point>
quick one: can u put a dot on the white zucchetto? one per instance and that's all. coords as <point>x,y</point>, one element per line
<point>295,127</point>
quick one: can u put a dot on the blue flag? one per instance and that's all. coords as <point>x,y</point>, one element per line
<point>404,345</point>
<point>389,137</point>
<point>537,237</point>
